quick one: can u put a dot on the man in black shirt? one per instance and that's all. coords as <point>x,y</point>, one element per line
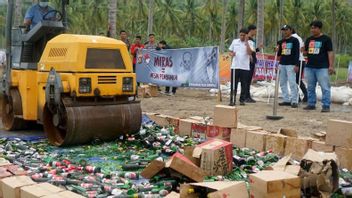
<point>320,64</point>
<point>252,31</point>
<point>289,61</point>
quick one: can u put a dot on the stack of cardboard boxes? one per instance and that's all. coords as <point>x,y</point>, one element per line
<point>25,187</point>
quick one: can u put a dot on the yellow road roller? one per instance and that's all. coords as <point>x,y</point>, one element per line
<point>79,87</point>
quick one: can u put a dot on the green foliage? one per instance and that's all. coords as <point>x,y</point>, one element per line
<point>190,23</point>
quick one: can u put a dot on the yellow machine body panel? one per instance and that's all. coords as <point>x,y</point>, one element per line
<point>106,82</point>
<point>85,53</point>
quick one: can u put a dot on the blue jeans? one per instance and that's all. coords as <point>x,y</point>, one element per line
<point>321,76</point>
<point>288,74</point>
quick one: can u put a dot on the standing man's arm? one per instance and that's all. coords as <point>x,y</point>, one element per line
<point>231,48</point>
<point>331,62</point>
<point>331,56</point>
<point>305,51</point>
<point>297,50</point>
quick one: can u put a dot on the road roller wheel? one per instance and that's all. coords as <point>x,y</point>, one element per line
<point>11,111</point>
<point>82,124</point>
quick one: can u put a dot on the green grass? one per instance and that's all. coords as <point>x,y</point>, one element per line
<point>340,76</point>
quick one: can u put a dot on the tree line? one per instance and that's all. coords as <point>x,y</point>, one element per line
<point>191,23</point>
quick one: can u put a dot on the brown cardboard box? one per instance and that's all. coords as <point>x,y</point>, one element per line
<point>256,140</point>
<point>339,133</point>
<point>185,127</point>
<point>319,172</point>
<point>322,146</point>
<point>284,165</point>
<point>215,155</point>
<point>276,142</point>
<point>39,190</point>
<point>3,162</point>
<point>11,186</point>
<point>297,146</point>
<point>288,132</point>
<point>238,137</point>
<point>152,169</point>
<point>3,174</point>
<point>225,116</point>
<point>64,194</point>
<point>229,189</point>
<point>153,90</point>
<point>199,130</point>
<point>165,120</point>
<point>345,157</point>
<point>274,184</point>
<point>189,154</point>
<point>184,166</point>
<point>218,132</point>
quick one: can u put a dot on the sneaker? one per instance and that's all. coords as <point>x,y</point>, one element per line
<point>171,94</point>
<point>242,103</point>
<point>284,104</point>
<point>309,108</point>
<point>325,109</point>
<point>250,100</point>
<point>232,104</point>
<point>294,105</point>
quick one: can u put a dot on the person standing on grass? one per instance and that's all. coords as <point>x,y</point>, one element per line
<point>241,50</point>
<point>289,64</point>
<point>134,50</point>
<point>302,64</point>
<point>320,64</point>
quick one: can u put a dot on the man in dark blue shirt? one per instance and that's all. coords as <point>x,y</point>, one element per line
<point>35,14</point>
<point>320,64</point>
<point>289,61</point>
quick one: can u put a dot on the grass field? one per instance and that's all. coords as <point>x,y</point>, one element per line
<point>340,76</point>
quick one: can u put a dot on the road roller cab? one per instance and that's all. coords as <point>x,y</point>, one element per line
<point>82,88</point>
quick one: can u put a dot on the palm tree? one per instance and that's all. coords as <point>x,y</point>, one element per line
<point>150,16</point>
<point>241,8</point>
<point>333,22</point>
<point>260,22</point>
<point>18,13</point>
<point>112,7</point>
<point>223,26</point>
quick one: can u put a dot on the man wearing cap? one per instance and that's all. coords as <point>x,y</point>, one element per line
<point>320,64</point>
<point>289,62</point>
<point>35,14</point>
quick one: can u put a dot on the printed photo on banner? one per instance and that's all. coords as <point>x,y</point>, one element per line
<point>186,67</point>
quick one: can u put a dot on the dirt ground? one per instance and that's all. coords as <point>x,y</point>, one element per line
<point>191,102</point>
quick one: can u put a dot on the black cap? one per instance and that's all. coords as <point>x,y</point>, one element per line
<point>286,27</point>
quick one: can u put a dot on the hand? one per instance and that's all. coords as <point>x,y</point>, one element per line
<point>232,54</point>
<point>296,69</point>
<point>332,70</point>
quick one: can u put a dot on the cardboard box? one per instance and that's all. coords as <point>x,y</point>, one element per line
<point>173,195</point>
<point>189,154</point>
<point>185,127</point>
<point>184,166</point>
<point>297,146</point>
<point>15,169</point>
<point>215,155</point>
<point>39,190</point>
<point>256,140</point>
<point>319,172</point>
<point>11,186</point>
<point>288,132</point>
<point>225,116</point>
<point>275,142</point>
<point>238,137</point>
<point>199,130</point>
<point>345,157</point>
<point>153,168</point>
<point>229,189</point>
<point>64,194</point>
<point>153,89</point>
<point>322,146</point>
<point>284,165</point>
<point>4,173</point>
<point>218,132</point>
<point>165,120</point>
<point>3,162</point>
<point>339,133</point>
<point>274,184</point>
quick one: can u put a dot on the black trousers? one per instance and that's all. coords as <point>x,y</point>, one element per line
<point>250,76</point>
<point>242,76</point>
<point>167,89</point>
<point>302,85</point>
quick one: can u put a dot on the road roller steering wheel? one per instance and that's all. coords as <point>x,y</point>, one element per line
<point>57,16</point>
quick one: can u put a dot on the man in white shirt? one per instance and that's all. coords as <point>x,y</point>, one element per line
<point>302,86</point>
<point>241,50</point>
